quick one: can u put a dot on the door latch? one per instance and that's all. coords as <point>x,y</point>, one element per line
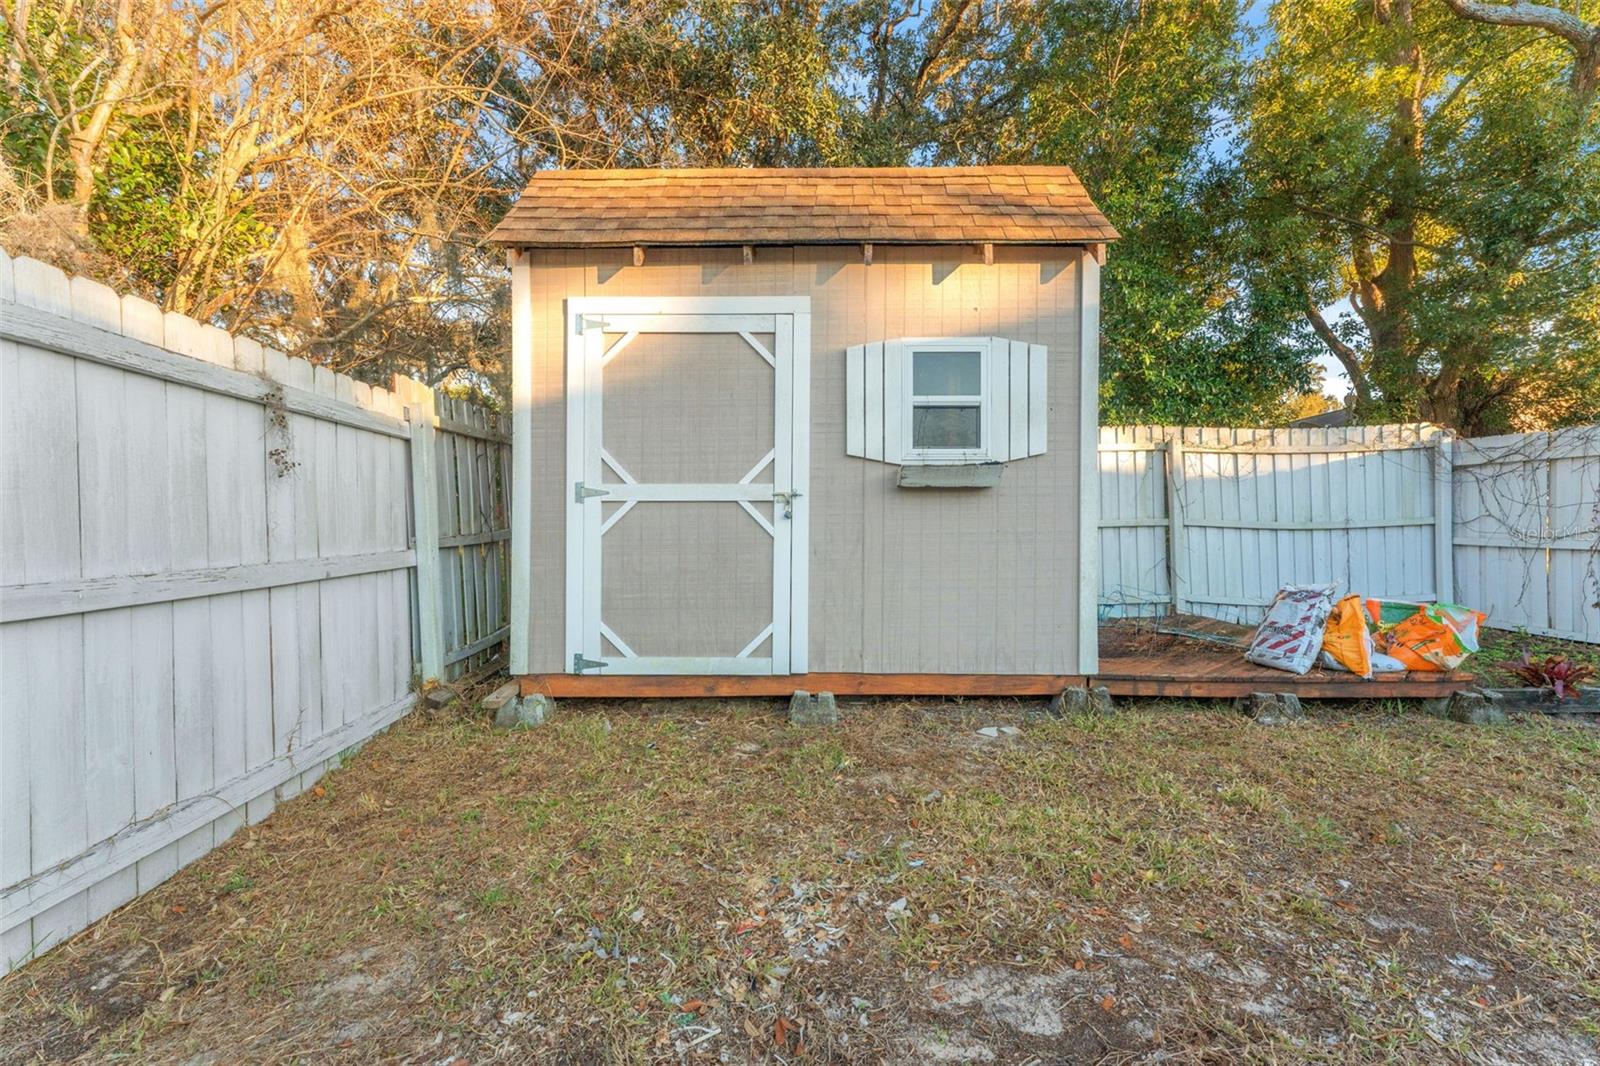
<point>788,499</point>
<point>581,492</point>
<point>580,664</point>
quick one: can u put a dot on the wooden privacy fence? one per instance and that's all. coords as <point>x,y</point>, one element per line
<point>209,554</point>
<point>1213,521</point>
<point>1527,530</point>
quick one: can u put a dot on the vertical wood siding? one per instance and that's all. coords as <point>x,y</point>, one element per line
<point>1258,508</point>
<point>901,580</point>
<point>203,587</point>
<point>1509,525</point>
<point>1527,530</point>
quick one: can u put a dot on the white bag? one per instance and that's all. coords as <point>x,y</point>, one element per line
<point>1290,636</point>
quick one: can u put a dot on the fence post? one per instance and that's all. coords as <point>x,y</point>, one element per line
<point>1444,549</point>
<point>1173,457</point>
<point>425,508</point>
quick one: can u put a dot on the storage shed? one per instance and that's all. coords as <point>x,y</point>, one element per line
<point>804,429</point>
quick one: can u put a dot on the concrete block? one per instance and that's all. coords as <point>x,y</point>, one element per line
<point>1071,702</point>
<point>526,712</point>
<point>807,709</point>
<point>1270,708</point>
<point>1477,707</point>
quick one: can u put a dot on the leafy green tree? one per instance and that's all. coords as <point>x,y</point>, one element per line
<point>1134,96</point>
<point>1443,177</point>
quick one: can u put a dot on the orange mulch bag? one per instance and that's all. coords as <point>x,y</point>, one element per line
<point>1437,637</point>
<point>1347,640</point>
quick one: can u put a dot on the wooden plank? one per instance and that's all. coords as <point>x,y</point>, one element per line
<point>1215,688</point>
<point>425,507</point>
<point>855,400</point>
<point>615,686</point>
<point>188,819</point>
<point>1177,544</point>
<point>51,599</point>
<point>467,428</point>
<point>1038,400</point>
<point>1444,580</point>
<point>1020,406</point>
<point>800,570</point>
<point>478,646</point>
<point>874,401</point>
<point>41,329</point>
<point>1088,437</point>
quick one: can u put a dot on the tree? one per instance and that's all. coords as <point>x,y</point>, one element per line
<point>1129,93</point>
<point>1438,175</point>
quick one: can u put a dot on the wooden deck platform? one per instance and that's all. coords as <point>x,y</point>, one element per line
<point>1136,659</point>
<point>1145,658</point>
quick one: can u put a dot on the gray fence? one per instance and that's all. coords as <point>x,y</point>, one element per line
<point>1213,521</point>
<point>207,557</point>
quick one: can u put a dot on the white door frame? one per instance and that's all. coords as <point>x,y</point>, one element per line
<point>788,318</point>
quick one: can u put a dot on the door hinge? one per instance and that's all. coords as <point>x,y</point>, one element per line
<point>581,492</point>
<point>580,664</point>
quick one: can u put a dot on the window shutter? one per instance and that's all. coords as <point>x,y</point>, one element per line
<point>877,400</point>
<point>998,432</point>
<point>873,445</point>
<point>855,400</point>
<point>1038,400</point>
<point>1021,414</point>
<point>895,402</point>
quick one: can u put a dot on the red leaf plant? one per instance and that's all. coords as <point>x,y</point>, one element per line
<point>1557,672</point>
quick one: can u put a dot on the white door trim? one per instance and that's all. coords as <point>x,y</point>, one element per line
<point>789,320</point>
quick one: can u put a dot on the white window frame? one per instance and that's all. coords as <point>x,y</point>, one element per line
<point>912,347</point>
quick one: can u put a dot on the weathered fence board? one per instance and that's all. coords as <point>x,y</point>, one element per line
<point>1527,533</point>
<point>1213,521</point>
<point>206,551</point>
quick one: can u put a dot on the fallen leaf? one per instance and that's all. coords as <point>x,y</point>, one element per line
<point>319,791</point>
<point>695,1006</point>
<point>1497,867</point>
<point>780,1032</point>
<point>1108,1003</point>
<point>1344,905</point>
<point>938,993</point>
<point>178,908</point>
<point>1126,941</point>
<point>752,1029</point>
<point>1078,965</point>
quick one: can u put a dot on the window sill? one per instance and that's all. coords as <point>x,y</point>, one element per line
<point>950,475</point>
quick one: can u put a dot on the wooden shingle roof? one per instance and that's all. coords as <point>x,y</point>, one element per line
<point>888,205</point>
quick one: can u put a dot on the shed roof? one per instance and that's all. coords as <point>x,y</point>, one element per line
<point>886,205</point>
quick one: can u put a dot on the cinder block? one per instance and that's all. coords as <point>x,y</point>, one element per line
<point>807,709</point>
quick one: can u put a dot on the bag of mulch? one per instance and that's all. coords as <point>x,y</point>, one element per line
<point>1438,636</point>
<point>1347,643</point>
<point>1290,636</point>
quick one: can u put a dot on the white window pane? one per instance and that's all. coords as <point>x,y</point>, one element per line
<point>946,373</point>
<point>945,427</point>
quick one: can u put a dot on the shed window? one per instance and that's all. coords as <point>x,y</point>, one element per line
<point>946,400</point>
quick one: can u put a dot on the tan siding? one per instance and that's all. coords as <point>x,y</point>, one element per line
<point>923,581</point>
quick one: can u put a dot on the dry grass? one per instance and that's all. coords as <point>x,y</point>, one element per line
<point>687,881</point>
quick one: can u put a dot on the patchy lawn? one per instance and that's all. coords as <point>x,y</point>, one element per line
<point>700,881</point>
<point>1501,646</point>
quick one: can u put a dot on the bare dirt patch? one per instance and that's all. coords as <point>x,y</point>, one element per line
<point>702,882</point>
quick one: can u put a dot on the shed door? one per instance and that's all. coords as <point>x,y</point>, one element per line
<point>687,433</point>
